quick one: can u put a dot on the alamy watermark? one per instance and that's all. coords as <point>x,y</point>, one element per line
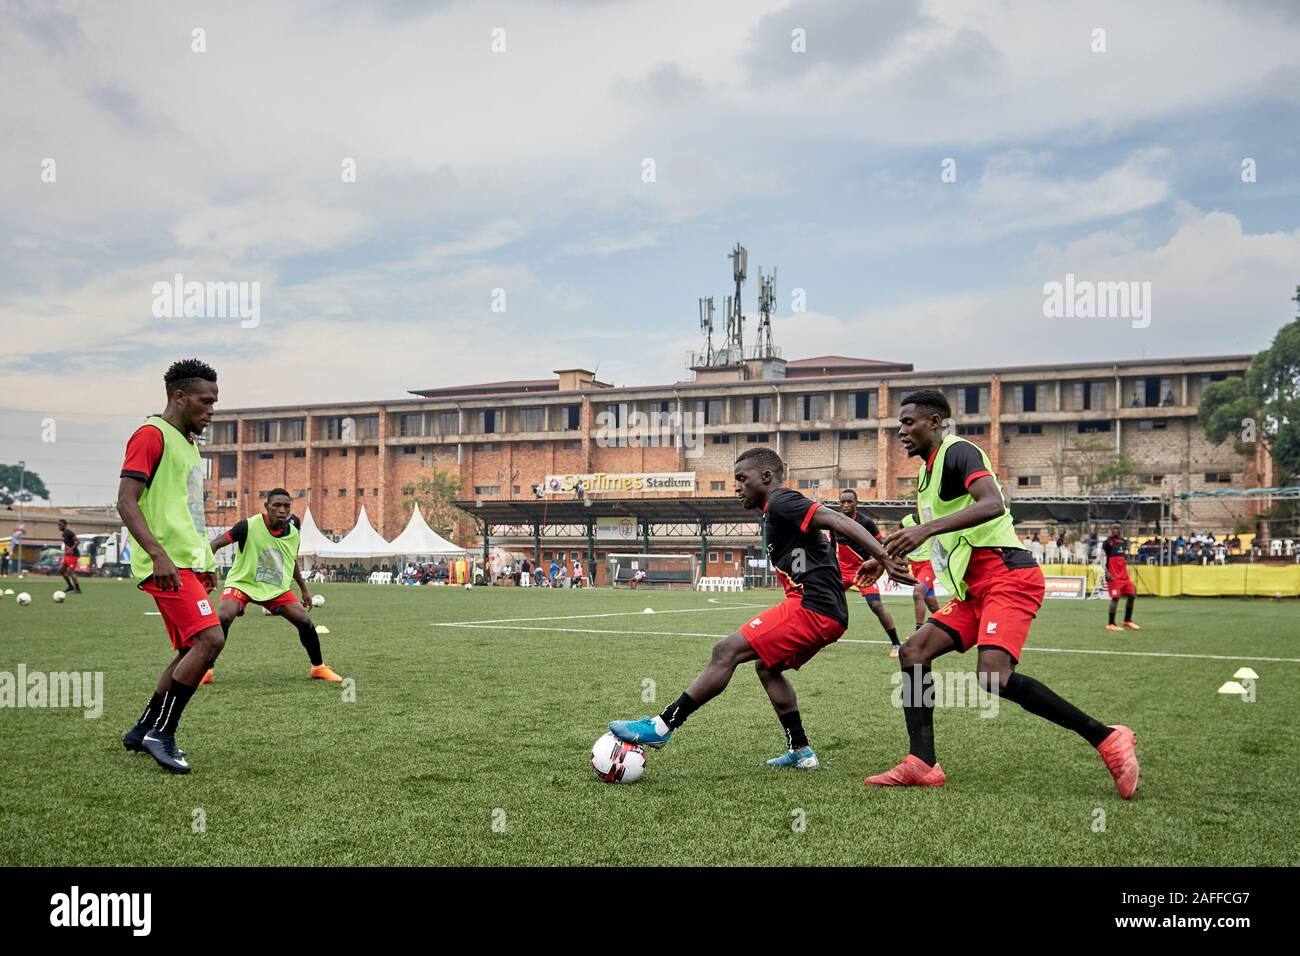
<point>77,690</point>
<point>1085,299</point>
<point>945,689</point>
<point>179,299</point>
<point>623,428</point>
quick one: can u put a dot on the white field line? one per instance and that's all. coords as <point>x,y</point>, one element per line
<point>579,617</point>
<point>1045,650</point>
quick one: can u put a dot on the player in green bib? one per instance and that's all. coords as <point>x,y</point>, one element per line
<point>923,597</point>
<point>265,567</point>
<point>997,588</point>
<point>160,499</point>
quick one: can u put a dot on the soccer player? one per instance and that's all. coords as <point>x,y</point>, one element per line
<point>998,589</point>
<point>1117,579</point>
<point>160,499</point>
<point>68,566</point>
<point>850,560</point>
<point>265,565</point>
<point>923,597</point>
<point>813,614</point>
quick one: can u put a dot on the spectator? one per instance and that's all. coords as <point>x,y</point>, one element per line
<point>639,576</point>
<point>577,573</point>
<point>540,575</point>
<point>1169,398</point>
<point>555,573</point>
<point>1136,403</point>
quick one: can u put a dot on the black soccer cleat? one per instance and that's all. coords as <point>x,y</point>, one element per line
<point>162,747</point>
<point>133,739</point>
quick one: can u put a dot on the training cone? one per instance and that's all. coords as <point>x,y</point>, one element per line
<point>648,610</point>
<point>1232,687</point>
<point>322,629</point>
<point>1246,673</point>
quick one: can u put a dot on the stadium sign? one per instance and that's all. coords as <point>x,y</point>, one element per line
<point>1059,586</point>
<point>602,483</point>
<point>616,529</point>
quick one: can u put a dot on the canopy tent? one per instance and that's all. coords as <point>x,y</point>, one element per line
<point>363,541</point>
<point>418,540</point>
<point>311,541</point>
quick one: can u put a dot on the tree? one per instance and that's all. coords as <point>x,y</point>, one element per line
<point>436,495</point>
<point>1263,406</point>
<point>11,481</point>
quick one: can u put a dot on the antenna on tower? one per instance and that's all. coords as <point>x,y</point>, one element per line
<point>763,347</point>
<point>736,315</point>
<point>706,326</point>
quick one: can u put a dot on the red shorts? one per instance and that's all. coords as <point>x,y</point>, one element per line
<point>846,578</point>
<point>279,601</point>
<point>69,562</point>
<point>184,612</point>
<point>789,634</point>
<point>923,571</point>
<point>999,607</point>
<point>1121,587</point>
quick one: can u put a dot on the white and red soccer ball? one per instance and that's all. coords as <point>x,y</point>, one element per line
<point>617,761</point>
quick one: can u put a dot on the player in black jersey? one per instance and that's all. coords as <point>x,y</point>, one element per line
<point>784,637</point>
<point>850,560</point>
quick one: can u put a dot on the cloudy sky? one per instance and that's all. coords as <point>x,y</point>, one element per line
<point>814,132</point>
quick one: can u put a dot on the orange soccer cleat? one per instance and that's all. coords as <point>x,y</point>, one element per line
<point>1119,750</point>
<point>207,677</point>
<point>324,672</point>
<point>1113,627</point>
<point>912,772</point>
<point>893,650</point>
<point>1131,626</point>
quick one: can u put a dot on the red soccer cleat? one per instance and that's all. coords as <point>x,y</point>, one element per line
<point>1113,627</point>
<point>1131,626</point>
<point>912,772</point>
<point>207,677</point>
<point>1119,750</point>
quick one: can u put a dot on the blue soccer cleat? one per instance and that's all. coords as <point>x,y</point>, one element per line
<point>802,759</point>
<point>644,731</point>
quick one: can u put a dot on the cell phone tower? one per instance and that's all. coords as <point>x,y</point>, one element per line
<point>735,312</point>
<point>763,347</point>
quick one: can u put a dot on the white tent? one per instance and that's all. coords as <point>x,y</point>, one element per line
<point>311,541</point>
<point>363,541</point>
<point>419,540</point>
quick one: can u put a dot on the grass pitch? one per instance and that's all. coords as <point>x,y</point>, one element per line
<point>470,744</point>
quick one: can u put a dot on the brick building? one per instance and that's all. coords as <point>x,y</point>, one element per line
<point>1045,428</point>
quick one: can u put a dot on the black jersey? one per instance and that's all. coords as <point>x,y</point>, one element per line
<point>802,556</point>
<point>847,551</point>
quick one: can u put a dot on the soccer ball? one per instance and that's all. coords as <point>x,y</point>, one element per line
<point>318,600</point>
<point>59,596</point>
<point>24,598</point>
<point>469,586</point>
<point>617,761</point>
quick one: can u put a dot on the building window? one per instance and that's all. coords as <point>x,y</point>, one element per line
<point>410,424</point>
<point>807,483</point>
<point>812,407</point>
<point>487,421</point>
<point>261,494</point>
<point>299,492</point>
<point>539,446</point>
<point>265,455</point>
<point>572,417</point>
<point>228,465</point>
<point>573,445</point>
<point>266,431</point>
<point>906,483</point>
<point>407,491</point>
<point>514,489</point>
<point>728,556</point>
<point>361,492</point>
<point>760,408</point>
<point>343,492</point>
<point>973,399</point>
<point>531,419</point>
<point>721,439</point>
<point>409,450</point>
<point>300,453</point>
<point>866,482</point>
<point>343,453</point>
<point>225,433</point>
<point>1029,481</point>
<point>293,429</point>
<point>1027,397</point>
<point>1029,429</point>
<point>970,429</point>
<point>864,404</point>
<point>717,486</point>
<point>1218,478</point>
<point>1089,395</point>
<point>490,446</point>
<point>1155,479</point>
<point>1148,425</point>
<point>757,439</point>
<point>848,483</point>
<point>810,436</point>
<point>851,435</point>
<point>711,409</point>
<point>487,490</point>
<point>448,423</point>
<point>1089,428</point>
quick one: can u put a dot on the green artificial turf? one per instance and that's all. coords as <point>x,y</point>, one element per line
<point>471,745</point>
